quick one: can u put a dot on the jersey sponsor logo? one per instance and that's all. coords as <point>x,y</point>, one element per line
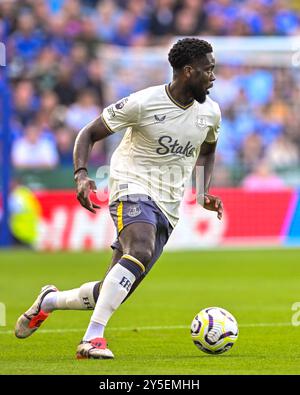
<point>168,145</point>
<point>201,122</point>
<point>159,118</point>
<point>121,103</point>
<point>134,210</point>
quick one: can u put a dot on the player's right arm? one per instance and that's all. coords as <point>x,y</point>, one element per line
<point>125,113</point>
<point>87,137</point>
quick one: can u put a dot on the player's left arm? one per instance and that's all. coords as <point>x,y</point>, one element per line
<point>207,160</point>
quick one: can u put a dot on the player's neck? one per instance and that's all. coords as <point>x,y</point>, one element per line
<point>179,93</point>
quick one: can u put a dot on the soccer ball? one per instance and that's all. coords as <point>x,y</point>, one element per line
<point>214,330</point>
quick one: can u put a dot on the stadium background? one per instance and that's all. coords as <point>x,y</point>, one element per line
<point>68,59</point>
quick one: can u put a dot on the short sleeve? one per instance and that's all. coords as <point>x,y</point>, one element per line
<point>123,114</point>
<point>213,133</point>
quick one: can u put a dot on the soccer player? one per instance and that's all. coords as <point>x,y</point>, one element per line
<point>168,127</point>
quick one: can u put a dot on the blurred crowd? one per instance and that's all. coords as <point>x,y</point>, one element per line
<point>260,132</point>
<point>59,82</point>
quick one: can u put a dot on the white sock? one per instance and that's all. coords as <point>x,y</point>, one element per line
<point>93,331</point>
<point>49,302</point>
<point>75,299</point>
<point>115,288</point>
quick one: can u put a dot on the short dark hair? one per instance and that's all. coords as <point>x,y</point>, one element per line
<point>187,50</point>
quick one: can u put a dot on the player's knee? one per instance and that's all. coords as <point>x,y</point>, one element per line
<point>143,252</point>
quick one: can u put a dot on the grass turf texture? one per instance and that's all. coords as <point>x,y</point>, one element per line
<point>149,334</point>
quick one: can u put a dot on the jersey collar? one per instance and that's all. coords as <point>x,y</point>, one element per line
<point>167,87</point>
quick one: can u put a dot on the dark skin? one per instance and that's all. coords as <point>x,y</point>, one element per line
<point>191,82</point>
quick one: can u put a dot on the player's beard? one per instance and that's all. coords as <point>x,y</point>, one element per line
<point>200,95</point>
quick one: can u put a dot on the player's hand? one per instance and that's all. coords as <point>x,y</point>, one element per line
<point>85,186</point>
<point>213,203</point>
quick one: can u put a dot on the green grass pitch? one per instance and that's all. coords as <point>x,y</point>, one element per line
<point>149,334</point>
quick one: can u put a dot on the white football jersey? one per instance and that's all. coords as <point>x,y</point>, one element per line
<point>161,145</point>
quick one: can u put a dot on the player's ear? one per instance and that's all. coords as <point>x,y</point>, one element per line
<point>187,71</point>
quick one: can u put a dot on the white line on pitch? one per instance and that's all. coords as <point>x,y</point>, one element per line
<point>152,328</point>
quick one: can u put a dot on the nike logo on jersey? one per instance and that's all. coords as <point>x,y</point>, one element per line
<point>168,145</point>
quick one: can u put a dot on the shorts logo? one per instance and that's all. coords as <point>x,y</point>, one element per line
<point>134,211</point>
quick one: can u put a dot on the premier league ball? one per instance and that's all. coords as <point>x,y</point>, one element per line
<point>214,330</point>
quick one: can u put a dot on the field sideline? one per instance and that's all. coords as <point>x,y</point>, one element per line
<point>149,334</point>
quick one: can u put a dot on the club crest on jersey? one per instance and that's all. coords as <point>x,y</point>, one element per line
<point>201,122</point>
<point>121,103</point>
<point>134,210</point>
<point>159,118</point>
